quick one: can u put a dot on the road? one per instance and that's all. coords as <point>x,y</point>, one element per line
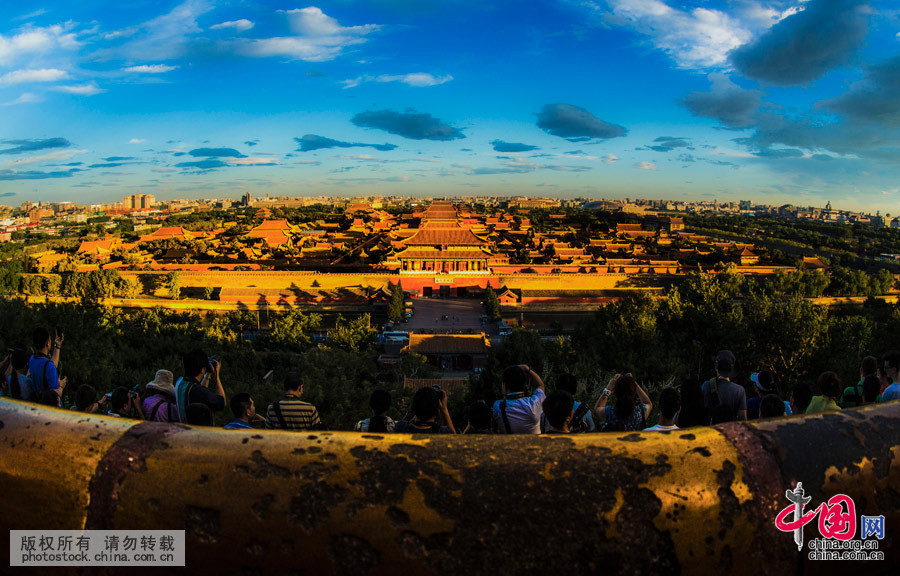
<point>463,316</point>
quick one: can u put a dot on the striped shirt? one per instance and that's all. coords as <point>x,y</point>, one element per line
<point>297,415</point>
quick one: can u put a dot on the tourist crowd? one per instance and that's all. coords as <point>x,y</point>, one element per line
<point>525,407</point>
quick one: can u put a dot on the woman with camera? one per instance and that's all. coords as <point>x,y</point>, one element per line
<point>632,405</point>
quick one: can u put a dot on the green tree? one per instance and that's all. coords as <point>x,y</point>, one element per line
<point>173,285</point>
<point>491,303</point>
<point>292,330</point>
<point>355,334</point>
<point>10,275</point>
<point>395,307</point>
<point>129,287</point>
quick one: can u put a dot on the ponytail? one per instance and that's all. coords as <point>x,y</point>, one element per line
<point>15,391</point>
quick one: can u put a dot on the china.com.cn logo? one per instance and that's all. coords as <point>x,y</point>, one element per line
<point>837,522</point>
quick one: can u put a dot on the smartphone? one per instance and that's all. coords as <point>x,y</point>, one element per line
<point>59,332</point>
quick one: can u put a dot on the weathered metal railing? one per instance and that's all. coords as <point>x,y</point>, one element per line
<point>698,501</point>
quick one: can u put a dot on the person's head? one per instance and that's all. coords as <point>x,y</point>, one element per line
<point>771,406</point>
<point>721,413</point>
<point>891,364</point>
<point>40,339</point>
<point>725,364</point>
<point>868,367</point>
<point>19,359</point>
<point>293,382</point>
<point>883,378</point>
<point>380,401</point>
<point>242,406</point>
<point>558,408</point>
<point>515,379</point>
<point>196,363</point>
<point>19,362</point>
<point>669,402</point>
<point>800,398</point>
<point>829,385</point>
<point>870,389</point>
<point>86,399</point>
<point>765,382</point>
<point>118,400</point>
<point>625,392</point>
<point>568,383</point>
<point>199,415</point>
<point>163,382</point>
<point>426,404</point>
<point>479,415</point>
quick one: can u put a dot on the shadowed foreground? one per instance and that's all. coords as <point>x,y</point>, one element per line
<point>698,501</point>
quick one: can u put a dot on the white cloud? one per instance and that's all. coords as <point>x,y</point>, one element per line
<point>699,38</point>
<point>241,25</point>
<point>251,161</point>
<point>416,79</point>
<point>150,68</point>
<point>28,76</point>
<point>34,41</point>
<point>25,98</point>
<point>164,37</point>
<point>645,165</point>
<point>137,141</point>
<point>55,156</point>
<point>88,89</point>
<point>610,159</point>
<point>312,21</point>
<point>30,15</point>
<point>319,38</point>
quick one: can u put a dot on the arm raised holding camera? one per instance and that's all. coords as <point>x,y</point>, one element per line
<point>215,367</point>
<point>135,399</point>
<point>446,412</point>
<point>57,345</point>
<point>534,380</point>
<point>600,406</point>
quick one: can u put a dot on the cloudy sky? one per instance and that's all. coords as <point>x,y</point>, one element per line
<point>770,100</point>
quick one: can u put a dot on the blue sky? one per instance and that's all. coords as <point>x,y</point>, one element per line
<point>771,100</point>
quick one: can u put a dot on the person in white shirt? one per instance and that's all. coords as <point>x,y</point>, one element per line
<point>669,405</point>
<point>517,412</point>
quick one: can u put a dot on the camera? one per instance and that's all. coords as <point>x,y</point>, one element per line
<point>210,361</point>
<point>578,424</point>
<point>437,388</point>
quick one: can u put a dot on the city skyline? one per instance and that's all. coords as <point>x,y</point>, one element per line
<point>774,101</point>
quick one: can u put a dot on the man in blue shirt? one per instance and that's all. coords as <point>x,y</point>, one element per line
<point>244,411</point>
<point>891,365</point>
<point>43,364</point>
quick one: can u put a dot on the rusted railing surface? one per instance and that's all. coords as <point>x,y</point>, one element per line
<point>698,501</point>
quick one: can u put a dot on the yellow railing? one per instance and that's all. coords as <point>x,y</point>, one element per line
<point>697,501</point>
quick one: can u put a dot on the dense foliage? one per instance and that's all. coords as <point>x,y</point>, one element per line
<point>665,341</point>
<point>107,347</point>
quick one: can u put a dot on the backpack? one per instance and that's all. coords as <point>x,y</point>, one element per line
<point>182,398</point>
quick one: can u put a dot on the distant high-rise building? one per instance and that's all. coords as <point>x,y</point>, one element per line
<point>247,199</point>
<point>138,202</point>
